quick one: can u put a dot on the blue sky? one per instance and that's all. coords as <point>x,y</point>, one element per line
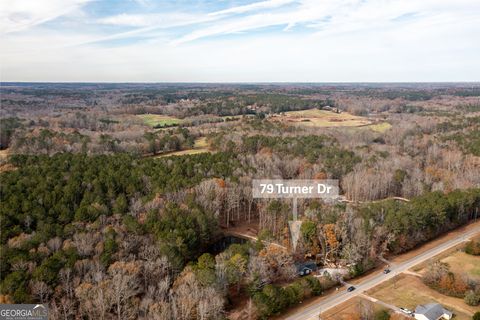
<point>240,41</point>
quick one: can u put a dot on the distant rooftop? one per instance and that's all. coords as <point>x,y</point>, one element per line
<point>433,311</point>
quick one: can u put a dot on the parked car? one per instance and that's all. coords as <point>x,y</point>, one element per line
<point>406,311</point>
<point>305,271</point>
<point>350,289</point>
<point>307,268</point>
<point>386,271</point>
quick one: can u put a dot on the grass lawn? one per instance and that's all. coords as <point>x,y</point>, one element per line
<point>349,309</point>
<point>460,263</point>
<point>408,291</point>
<point>321,118</point>
<point>238,117</point>
<point>201,143</point>
<point>153,120</point>
<point>200,146</point>
<point>380,127</point>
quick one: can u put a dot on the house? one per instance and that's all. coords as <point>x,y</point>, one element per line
<point>432,311</point>
<point>304,269</point>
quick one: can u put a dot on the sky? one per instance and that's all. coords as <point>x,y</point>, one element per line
<point>240,41</point>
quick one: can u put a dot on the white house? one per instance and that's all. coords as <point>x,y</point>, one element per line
<point>432,311</point>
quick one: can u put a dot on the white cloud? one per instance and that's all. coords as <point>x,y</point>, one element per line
<point>269,4</point>
<point>344,16</point>
<point>18,15</point>
<point>163,20</point>
<point>349,40</point>
<point>307,11</point>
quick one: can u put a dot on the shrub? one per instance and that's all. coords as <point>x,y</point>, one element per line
<point>473,248</point>
<point>382,315</point>
<point>472,298</point>
<point>273,299</point>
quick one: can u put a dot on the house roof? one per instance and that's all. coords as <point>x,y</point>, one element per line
<point>432,311</point>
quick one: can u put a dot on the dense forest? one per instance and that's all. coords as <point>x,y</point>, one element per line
<point>107,215</point>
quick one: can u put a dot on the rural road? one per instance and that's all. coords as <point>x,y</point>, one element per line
<point>313,311</point>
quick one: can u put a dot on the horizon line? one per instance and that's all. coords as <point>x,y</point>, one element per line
<point>240,82</point>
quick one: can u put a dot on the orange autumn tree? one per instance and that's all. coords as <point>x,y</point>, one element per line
<point>330,239</point>
<point>320,176</point>
<point>221,183</point>
<point>280,262</point>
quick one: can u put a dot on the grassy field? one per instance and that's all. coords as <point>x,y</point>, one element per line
<point>321,118</point>
<point>380,127</point>
<point>460,262</point>
<point>153,120</point>
<point>349,309</point>
<point>200,146</point>
<point>238,117</point>
<point>408,291</point>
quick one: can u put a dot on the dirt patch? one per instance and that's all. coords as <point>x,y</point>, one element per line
<point>4,154</point>
<point>7,167</point>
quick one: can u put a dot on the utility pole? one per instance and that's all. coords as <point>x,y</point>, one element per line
<point>295,209</point>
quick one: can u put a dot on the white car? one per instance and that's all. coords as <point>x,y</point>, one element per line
<point>406,311</point>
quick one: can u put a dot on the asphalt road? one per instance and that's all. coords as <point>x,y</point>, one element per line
<point>313,311</point>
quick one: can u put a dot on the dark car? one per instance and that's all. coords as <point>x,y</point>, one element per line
<point>307,268</point>
<point>386,271</point>
<point>350,289</point>
<point>305,271</point>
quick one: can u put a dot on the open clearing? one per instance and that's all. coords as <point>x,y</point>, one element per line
<point>200,146</point>
<point>155,120</point>
<point>321,118</point>
<point>462,263</point>
<point>4,154</point>
<point>349,309</point>
<point>409,291</point>
<point>4,165</point>
<point>380,127</point>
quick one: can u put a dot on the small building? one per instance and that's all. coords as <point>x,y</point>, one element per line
<point>304,269</point>
<point>432,311</point>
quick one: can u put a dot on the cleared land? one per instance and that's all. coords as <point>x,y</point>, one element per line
<point>200,146</point>
<point>380,127</point>
<point>156,120</point>
<point>351,310</point>
<point>462,263</point>
<point>4,154</point>
<point>409,291</point>
<point>4,166</point>
<point>321,118</point>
